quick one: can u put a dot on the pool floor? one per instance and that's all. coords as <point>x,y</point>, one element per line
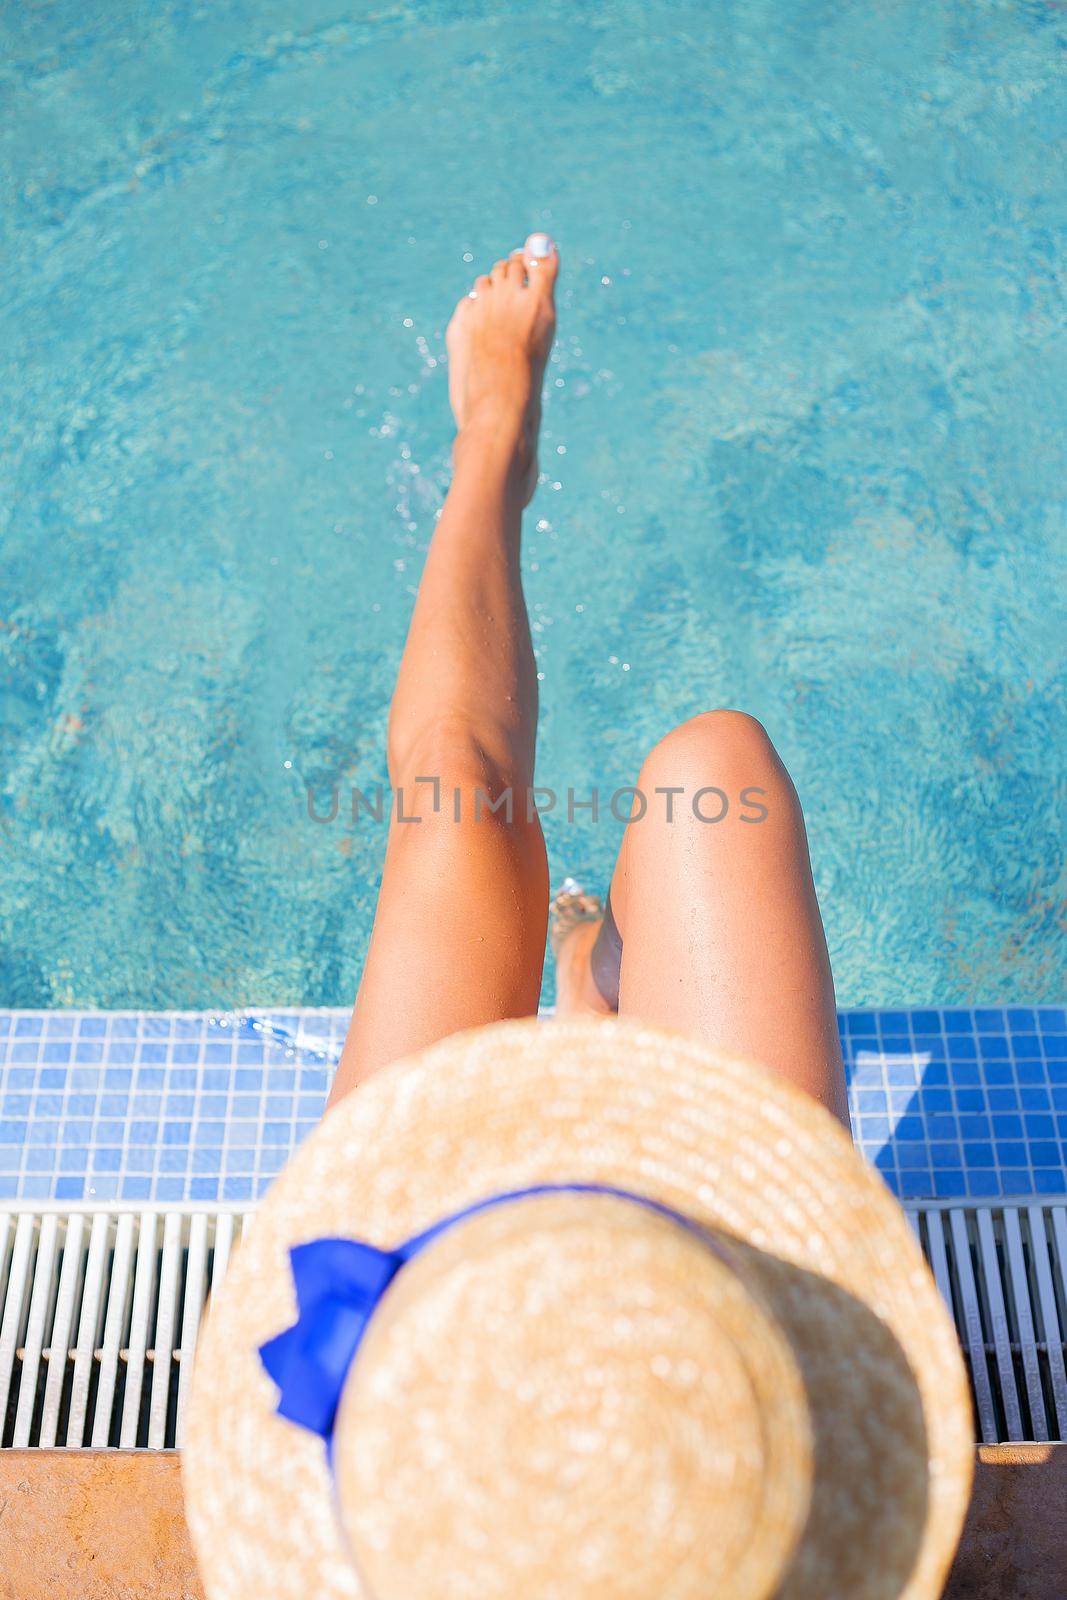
<point>802,453</point>
<point>191,1106</point>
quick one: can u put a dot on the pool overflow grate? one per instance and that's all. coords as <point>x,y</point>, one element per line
<point>101,1310</point>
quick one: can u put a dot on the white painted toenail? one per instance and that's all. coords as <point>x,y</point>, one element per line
<point>539,245</point>
<point>472,294</point>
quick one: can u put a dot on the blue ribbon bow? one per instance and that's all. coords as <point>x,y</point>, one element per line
<point>339,1283</point>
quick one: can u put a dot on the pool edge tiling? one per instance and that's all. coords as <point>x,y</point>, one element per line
<point>170,1107</point>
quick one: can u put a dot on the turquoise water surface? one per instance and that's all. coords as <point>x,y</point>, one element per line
<point>803,448</point>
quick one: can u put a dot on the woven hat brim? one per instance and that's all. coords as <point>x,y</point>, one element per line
<point>620,1104</point>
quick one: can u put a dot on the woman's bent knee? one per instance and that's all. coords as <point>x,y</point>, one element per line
<point>702,791</point>
<point>727,751</point>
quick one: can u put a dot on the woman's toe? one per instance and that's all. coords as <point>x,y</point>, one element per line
<point>541,259</point>
<point>499,271</point>
<point>481,285</point>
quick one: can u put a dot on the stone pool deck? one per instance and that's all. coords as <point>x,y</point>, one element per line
<point>110,1526</point>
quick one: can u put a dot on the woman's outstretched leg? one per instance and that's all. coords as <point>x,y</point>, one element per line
<point>459,932</point>
<point>715,928</point>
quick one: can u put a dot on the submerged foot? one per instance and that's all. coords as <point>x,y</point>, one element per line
<point>498,342</point>
<point>575,922</point>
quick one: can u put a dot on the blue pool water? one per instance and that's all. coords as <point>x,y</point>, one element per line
<point>803,441</point>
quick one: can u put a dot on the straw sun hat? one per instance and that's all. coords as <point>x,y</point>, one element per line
<point>702,1358</point>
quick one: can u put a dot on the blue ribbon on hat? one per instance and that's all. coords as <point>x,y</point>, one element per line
<point>339,1283</point>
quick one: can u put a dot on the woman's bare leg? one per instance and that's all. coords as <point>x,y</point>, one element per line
<point>459,931</point>
<point>721,933</point>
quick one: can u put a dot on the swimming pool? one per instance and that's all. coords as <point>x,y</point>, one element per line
<point>803,453</point>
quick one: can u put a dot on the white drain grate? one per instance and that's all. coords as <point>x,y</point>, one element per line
<point>101,1314</point>
<point>1003,1271</point>
<point>101,1310</point>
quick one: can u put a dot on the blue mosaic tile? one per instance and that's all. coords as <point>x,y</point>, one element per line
<point>170,1107</point>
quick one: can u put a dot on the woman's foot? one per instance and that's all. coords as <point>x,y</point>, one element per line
<point>498,342</point>
<point>575,919</point>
